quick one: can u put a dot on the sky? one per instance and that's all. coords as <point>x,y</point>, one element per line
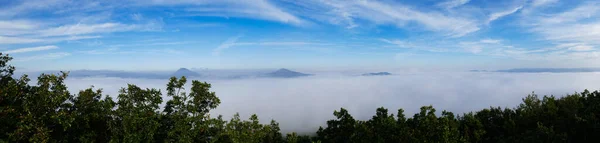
<point>317,34</point>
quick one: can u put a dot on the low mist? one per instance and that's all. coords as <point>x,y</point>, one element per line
<point>303,104</point>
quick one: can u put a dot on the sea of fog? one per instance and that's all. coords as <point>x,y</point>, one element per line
<point>303,104</point>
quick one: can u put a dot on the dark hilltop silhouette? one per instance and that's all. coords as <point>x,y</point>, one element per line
<point>285,73</point>
<point>185,72</point>
<point>377,74</point>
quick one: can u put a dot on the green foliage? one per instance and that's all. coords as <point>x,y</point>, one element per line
<point>572,118</point>
<point>340,130</point>
<point>92,117</point>
<point>136,115</point>
<point>47,112</point>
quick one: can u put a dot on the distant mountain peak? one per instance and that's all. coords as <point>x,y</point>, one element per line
<point>185,72</point>
<point>285,73</point>
<point>377,74</point>
<point>284,70</point>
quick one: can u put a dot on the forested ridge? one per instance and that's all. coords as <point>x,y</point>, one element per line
<point>48,112</point>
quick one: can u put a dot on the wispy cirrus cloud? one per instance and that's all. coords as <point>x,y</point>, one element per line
<point>452,3</point>
<point>30,49</point>
<point>490,41</point>
<point>23,7</point>
<point>48,56</point>
<point>66,20</point>
<point>420,45</point>
<point>13,27</point>
<point>577,28</point>
<point>17,40</point>
<point>498,15</point>
<point>49,34</point>
<point>233,42</point>
<point>537,3</point>
<point>574,47</point>
<point>226,45</point>
<point>399,43</point>
<point>82,29</point>
<point>257,9</point>
<point>347,13</point>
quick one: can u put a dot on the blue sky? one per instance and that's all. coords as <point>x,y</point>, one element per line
<point>226,34</point>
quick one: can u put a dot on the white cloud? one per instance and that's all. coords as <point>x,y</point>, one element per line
<point>73,32</point>
<point>490,41</point>
<point>423,44</point>
<point>67,20</point>
<point>452,3</point>
<point>537,3</point>
<point>17,40</point>
<point>48,56</point>
<point>399,43</point>
<point>497,15</point>
<point>573,52</point>
<point>260,9</point>
<point>380,13</point>
<point>581,48</point>
<point>575,46</point>
<point>226,45</point>
<point>30,49</point>
<point>399,15</point>
<point>82,29</point>
<point>232,42</point>
<point>575,31</point>
<point>587,10</point>
<point>13,27</point>
<point>24,7</point>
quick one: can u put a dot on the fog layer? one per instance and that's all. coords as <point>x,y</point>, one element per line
<point>304,104</point>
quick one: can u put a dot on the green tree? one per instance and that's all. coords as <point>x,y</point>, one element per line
<point>273,133</point>
<point>340,130</point>
<point>92,116</point>
<point>250,131</point>
<point>137,115</point>
<point>12,93</point>
<point>382,127</point>
<point>45,112</point>
<point>471,128</point>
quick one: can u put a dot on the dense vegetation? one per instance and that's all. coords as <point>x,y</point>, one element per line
<point>47,112</point>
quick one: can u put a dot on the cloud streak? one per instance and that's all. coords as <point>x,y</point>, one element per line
<point>258,9</point>
<point>567,26</point>
<point>226,45</point>
<point>11,27</point>
<point>399,43</point>
<point>232,42</point>
<point>537,3</point>
<point>48,56</point>
<point>498,15</point>
<point>17,40</point>
<point>452,3</point>
<point>30,49</point>
<point>396,14</point>
<point>82,29</point>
